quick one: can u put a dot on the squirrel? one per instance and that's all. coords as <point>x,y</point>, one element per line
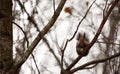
<point>82,43</point>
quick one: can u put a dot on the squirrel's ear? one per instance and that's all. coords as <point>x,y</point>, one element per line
<point>78,36</point>
<point>85,37</point>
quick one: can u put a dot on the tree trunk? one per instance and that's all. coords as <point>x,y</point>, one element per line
<point>6,38</point>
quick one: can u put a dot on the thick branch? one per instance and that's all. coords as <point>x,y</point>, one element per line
<point>40,36</point>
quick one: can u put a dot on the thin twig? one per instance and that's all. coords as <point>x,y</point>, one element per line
<point>46,41</point>
<point>30,18</point>
<point>54,6</point>
<point>22,31</point>
<point>27,46</point>
<point>108,43</point>
<point>79,57</point>
<point>35,63</point>
<point>78,25</point>
<point>104,10</point>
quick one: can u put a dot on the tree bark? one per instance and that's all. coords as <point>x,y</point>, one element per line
<point>6,38</point>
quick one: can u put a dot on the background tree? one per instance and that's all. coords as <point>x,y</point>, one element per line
<point>6,38</point>
<point>112,43</point>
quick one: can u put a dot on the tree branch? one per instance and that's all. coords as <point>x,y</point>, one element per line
<point>40,36</point>
<point>96,36</point>
<point>27,46</point>
<point>95,62</point>
<point>79,57</point>
<point>51,50</point>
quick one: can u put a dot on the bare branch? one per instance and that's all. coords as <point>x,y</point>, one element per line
<point>35,63</point>
<point>108,43</point>
<point>27,46</point>
<point>45,40</point>
<point>97,34</point>
<point>54,6</point>
<point>40,36</point>
<point>22,31</point>
<point>102,24</point>
<point>79,57</point>
<point>30,18</point>
<point>95,62</point>
<point>91,66</point>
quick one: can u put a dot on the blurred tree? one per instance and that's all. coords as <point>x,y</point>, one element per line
<point>113,43</point>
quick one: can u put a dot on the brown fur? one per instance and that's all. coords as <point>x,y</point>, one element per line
<point>82,43</point>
